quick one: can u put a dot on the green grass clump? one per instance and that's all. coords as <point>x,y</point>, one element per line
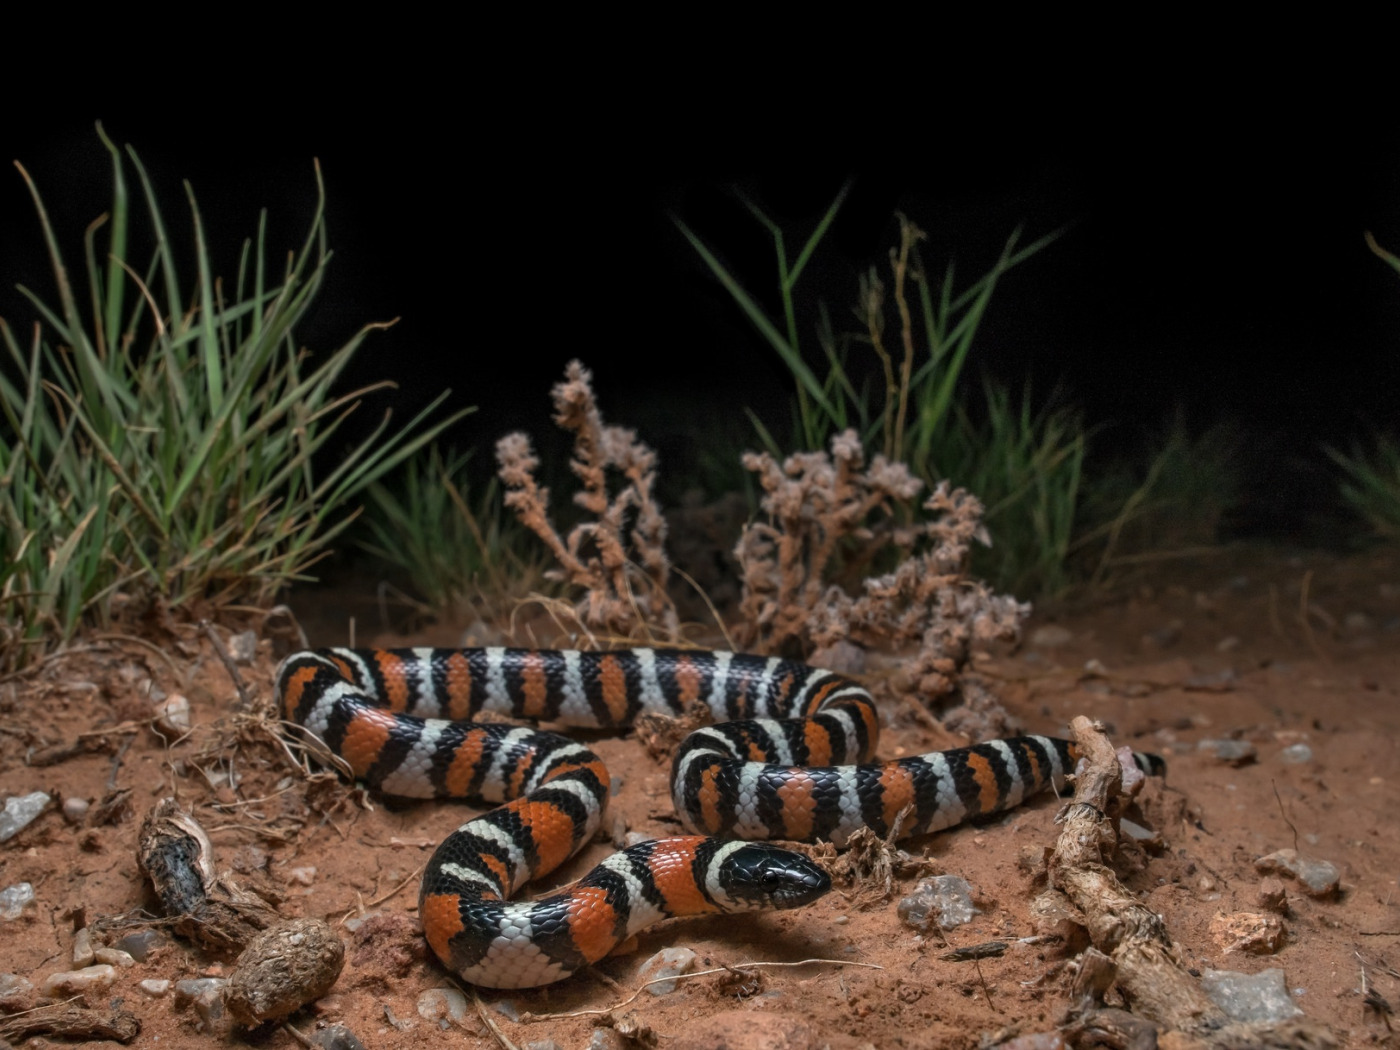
<point>1371,485</point>
<point>425,524</point>
<point>159,428</point>
<point>1026,465</point>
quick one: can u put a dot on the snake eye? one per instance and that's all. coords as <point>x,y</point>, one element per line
<point>769,879</point>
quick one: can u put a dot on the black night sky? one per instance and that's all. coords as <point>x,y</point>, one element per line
<point>1213,261</point>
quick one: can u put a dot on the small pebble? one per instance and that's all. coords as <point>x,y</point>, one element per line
<point>947,898</point>
<point>78,982</point>
<point>1148,838</point>
<point>187,991</point>
<point>14,899</point>
<point>543,1044</point>
<point>443,1005</point>
<point>154,987</point>
<point>243,647</point>
<point>305,876</point>
<point>1260,997</point>
<point>1051,636</point>
<point>82,949</point>
<point>172,716</point>
<point>636,838</point>
<point>1228,644</point>
<point>205,994</point>
<point>20,811</point>
<point>668,963</point>
<point>1234,752</point>
<point>606,1039</point>
<point>1271,894</point>
<point>1319,878</point>
<point>354,924</point>
<point>140,945</point>
<point>114,957</point>
<point>336,1037</point>
<point>1296,754</point>
<point>75,809</point>
<point>16,993</point>
<point>507,1008</point>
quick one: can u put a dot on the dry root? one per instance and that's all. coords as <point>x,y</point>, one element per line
<point>1132,949</point>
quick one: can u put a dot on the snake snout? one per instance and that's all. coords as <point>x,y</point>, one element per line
<point>767,876</point>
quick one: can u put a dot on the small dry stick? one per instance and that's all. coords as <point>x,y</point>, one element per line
<point>245,701</point>
<point>491,1025</point>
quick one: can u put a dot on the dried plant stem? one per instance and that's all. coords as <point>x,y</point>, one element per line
<point>909,235</point>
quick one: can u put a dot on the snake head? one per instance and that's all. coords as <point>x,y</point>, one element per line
<point>760,875</point>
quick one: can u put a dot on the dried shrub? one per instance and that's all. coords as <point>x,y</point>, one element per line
<point>817,504</point>
<point>619,556</point>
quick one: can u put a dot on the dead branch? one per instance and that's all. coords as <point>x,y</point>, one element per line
<point>1145,964</point>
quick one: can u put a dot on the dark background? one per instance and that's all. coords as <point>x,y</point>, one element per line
<point>1213,263</point>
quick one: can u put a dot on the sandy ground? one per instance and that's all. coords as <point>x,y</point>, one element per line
<point>1216,649</point>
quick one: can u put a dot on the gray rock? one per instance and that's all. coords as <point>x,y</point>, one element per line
<point>14,899</point>
<point>1296,754</point>
<point>1250,997</point>
<point>946,899</point>
<point>1235,752</point>
<point>205,994</point>
<point>196,988</point>
<point>139,945</point>
<point>243,647</point>
<point>20,811</point>
<point>16,993</point>
<point>336,1037</point>
<point>443,1005</point>
<point>1319,878</point>
<point>667,963</point>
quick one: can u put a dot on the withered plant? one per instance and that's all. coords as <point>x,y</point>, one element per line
<point>819,505</point>
<point>618,557</point>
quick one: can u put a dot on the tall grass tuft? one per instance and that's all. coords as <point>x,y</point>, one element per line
<point>426,523</point>
<point>159,426</point>
<point>1371,484</point>
<point>1024,464</point>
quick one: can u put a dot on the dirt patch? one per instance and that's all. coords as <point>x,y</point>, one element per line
<point>1291,659</point>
